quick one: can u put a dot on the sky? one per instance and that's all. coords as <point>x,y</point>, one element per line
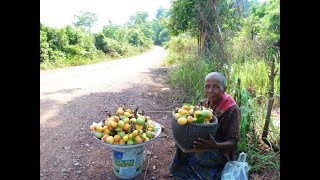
<point>59,13</point>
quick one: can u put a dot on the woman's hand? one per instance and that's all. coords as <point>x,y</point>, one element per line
<point>203,144</point>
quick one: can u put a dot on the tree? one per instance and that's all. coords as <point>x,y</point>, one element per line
<point>138,18</point>
<point>86,20</point>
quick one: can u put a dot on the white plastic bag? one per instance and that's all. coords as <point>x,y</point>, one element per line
<point>236,170</point>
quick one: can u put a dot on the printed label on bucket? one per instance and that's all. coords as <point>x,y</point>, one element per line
<point>127,164</point>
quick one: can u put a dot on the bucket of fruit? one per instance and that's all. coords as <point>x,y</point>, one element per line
<point>190,123</point>
<point>126,132</point>
<point>125,128</point>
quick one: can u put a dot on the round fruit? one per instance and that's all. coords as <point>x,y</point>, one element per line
<point>110,139</point>
<point>190,119</point>
<point>140,121</point>
<point>98,134</point>
<point>120,123</point>
<point>206,113</point>
<point>182,121</point>
<point>130,141</point>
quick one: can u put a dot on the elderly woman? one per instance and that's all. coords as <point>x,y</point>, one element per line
<point>216,151</point>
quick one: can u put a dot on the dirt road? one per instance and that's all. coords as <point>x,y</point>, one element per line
<point>72,98</point>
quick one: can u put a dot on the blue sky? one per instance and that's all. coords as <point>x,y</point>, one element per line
<point>59,13</point>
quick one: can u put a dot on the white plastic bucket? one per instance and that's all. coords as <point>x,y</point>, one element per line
<point>127,162</point>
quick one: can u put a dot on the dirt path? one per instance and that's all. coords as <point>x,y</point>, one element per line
<point>72,98</point>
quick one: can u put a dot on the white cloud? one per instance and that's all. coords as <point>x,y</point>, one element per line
<point>59,13</point>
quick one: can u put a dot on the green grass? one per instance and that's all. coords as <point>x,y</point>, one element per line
<point>255,77</point>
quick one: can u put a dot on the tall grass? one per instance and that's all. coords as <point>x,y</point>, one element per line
<point>254,75</point>
<point>189,70</point>
<point>252,121</point>
<point>190,76</point>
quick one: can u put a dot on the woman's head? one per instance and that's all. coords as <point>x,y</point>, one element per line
<point>215,86</point>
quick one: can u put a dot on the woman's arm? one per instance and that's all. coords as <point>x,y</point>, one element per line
<point>211,143</point>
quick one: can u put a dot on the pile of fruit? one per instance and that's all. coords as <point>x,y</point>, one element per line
<point>125,126</point>
<point>193,114</point>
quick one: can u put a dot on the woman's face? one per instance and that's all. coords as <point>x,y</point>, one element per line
<point>213,90</point>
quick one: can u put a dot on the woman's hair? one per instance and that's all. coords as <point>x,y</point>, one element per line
<point>217,75</point>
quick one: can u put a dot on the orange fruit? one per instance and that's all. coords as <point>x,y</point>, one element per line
<point>139,139</point>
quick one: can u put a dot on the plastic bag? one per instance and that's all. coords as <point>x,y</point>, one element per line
<point>236,170</point>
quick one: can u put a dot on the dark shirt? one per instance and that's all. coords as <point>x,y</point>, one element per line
<point>229,127</point>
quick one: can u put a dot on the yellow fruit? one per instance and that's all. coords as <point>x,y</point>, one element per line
<point>146,139</point>
<point>133,120</point>
<point>107,131</point>
<point>130,136</point>
<point>151,126</point>
<point>104,138</point>
<point>120,112</point>
<point>129,111</point>
<point>105,128</point>
<point>135,133</point>
<point>99,128</point>
<point>182,111</point>
<point>111,119</point>
<point>182,121</point>
<point>125,138</point>
<point>117,138</point>
<point>190,111</point>
<point>185,107</point>
<point>127,114</point>
<point>108,123</point>
<point>114,124</point>
<point>148,118</point>
<point>122,141</point>
<point>120,124</point>
<point>110,139</point>
<point>115,142</point>
<point>177,115</point>
<point>139,127</point>
<point>207,119</point>
<point>144,135</point>
<point>190,119</point>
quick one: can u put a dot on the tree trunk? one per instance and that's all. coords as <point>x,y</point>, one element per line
<point>270,104</point>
